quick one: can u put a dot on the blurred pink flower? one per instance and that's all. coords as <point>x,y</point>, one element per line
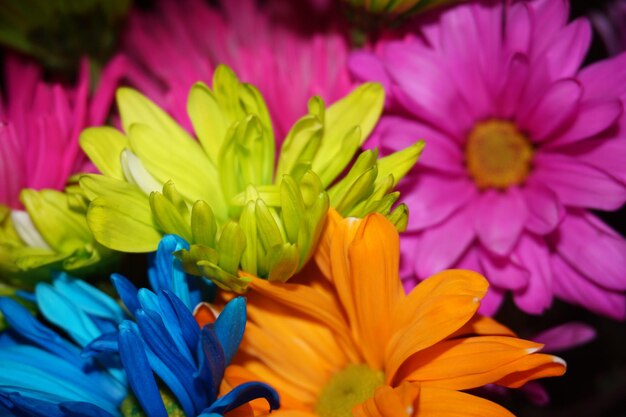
<point>40,124</point>
<point>611,24</point>
<point>520,144</point>
<point>183,41</point>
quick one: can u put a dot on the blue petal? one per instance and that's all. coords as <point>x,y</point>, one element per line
<point>23,323</point>
<point>77,409</point>
<point>139,373</point>
<point>88,298</point>
<point>29,407</point>
<point>127,292</point>
<point>186,322</point>
<point>106,342</point>
<point>230,325</point>
<point>243,394</point>
<point>161,344</point>
<point>26,295</point>
<point>212,362</point>
<point>63,312</point>
<point>169,273</point>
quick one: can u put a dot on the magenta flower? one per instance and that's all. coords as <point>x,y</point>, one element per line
<point>183,41</point>
<point>40,124</point>
<point>520,145</point>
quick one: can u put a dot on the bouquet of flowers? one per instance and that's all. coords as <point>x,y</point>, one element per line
<point>331,208</point>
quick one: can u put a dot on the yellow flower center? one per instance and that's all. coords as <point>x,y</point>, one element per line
<point>497,154</point>
<point>347,388</point>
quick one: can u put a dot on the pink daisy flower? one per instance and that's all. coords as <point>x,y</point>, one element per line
<point>520,144</point>
<point>183,41</point>
<point>40,124</point>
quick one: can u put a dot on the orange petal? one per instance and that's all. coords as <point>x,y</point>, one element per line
<point>390,402</point>
<point>309,301</point>
<point>322,253</point>
<point>533,367</point>
<point>483,325</point>
<point>442,402</point>
<point>434,310</point>
<point>204,314</point>
<point>467,363</point>
<point>364,257</point>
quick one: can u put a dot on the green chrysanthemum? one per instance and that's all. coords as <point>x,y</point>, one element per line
<point>223,192</point>
<point>50,234</point>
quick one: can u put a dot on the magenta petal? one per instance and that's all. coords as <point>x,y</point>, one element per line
<point>519,27</point>
<point>566,336</point>
<point>491,302</point>
<point>578,184</point>
<point>604,79</point>
<point>513,86</point>
<point>607,155</point>
<point>596,252</point>
<point>409,242</point>
<point>365,66</point>
<point>553,111</point>
<point>544,208</point>
<point>532,253</point>
<point>432,198</point>
<point>500,218</point>
<point>441,152</point>
<point>502,272</point>
<point>566,53</point>
<point>593,118</point>
<point>571,286</point>
<point>442,245</point>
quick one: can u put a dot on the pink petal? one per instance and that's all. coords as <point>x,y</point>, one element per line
<point>578,184</point>
<point>502,272</point>
<point>544,208</point>
<point>442,245</point>
<point>566,336</point>
<point>394,133</point>
<point>607,155</point>
<point>566,53</point>
<point>554,111</point>
<point>500,218</point>
<point>605,79</point>
<point>409,242</point>
<point>593,118</point>
<point>519,27</point>
<point>513,86</point>
<point>433,198</point>
<point>597,253</point>
<point>365,66</point>
<point>491,302</point>
<point>572,287</point>
<point>532,253</point>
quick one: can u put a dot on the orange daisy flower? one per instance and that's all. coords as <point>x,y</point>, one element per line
<point>345,340</point>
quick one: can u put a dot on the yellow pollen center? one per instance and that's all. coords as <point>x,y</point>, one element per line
<point>347,388</point>
<point>497,154</point>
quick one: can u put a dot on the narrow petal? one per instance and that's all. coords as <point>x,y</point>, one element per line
<point>578,184</point>
<point>139,372</point>
<point>448,403</point>
<point>566,336</point>
<point>573,287</point>
<point>533,253</point>
<point>442,245</point>
<point>593,249</point>
<point>435,309</point>
<point>545,211</point>
<point>243,394</point>
<point>500,219</point>
<point>230,325</point>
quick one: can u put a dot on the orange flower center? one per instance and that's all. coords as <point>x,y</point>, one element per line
<point>497,154</point>
<point>347,388</point>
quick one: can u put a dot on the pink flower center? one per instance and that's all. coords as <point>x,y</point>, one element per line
<point>497,154</point>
